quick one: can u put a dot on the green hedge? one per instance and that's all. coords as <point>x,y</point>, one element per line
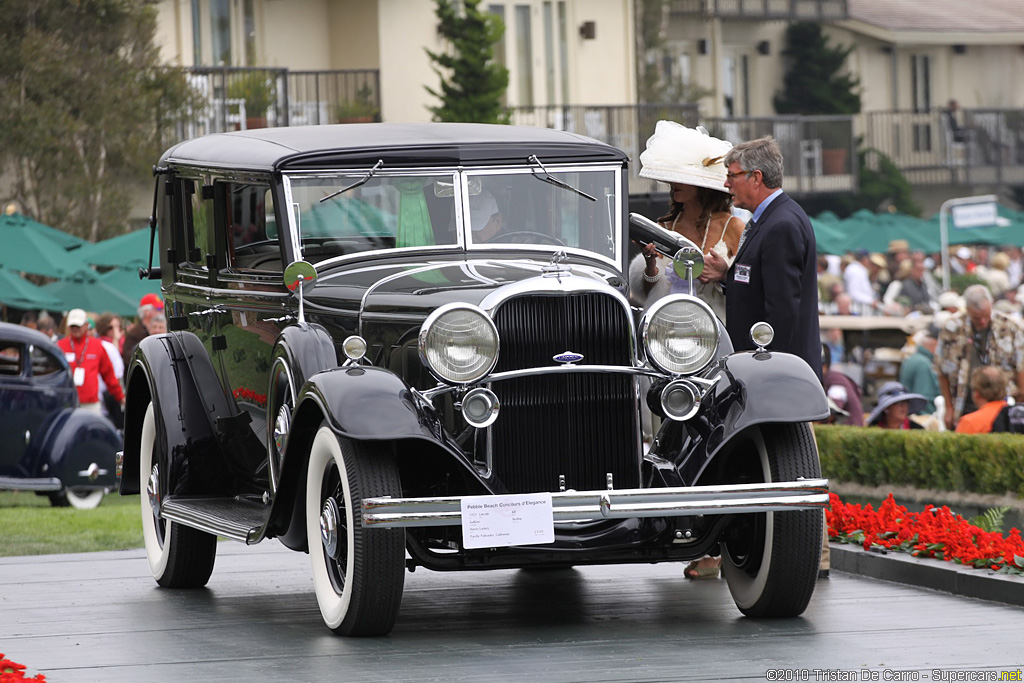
<point>975,463</point>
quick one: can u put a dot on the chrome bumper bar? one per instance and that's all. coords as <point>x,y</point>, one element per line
<point>723,499</point>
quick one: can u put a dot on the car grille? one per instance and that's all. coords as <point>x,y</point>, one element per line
<point>583,426</point>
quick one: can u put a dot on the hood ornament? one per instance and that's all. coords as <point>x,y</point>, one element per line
<point>557,267</point>
<point>568,357</point>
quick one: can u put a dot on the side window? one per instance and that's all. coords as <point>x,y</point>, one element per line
<point>10,359</point>
<point>249,226</point>
<point>43,363</point>
<point>191,225</point>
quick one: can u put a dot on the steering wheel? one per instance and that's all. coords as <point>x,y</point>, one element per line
<point>526,237</point>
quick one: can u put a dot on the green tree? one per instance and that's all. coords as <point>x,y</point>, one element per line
<point>472,82</point>
<point>815,81</point>
<point>84,100</point>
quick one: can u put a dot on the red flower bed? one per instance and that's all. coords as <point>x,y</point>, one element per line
<point>246,394</point>
<point>12,672</point>
<point>935,532</point>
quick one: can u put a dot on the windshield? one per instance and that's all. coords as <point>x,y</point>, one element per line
<point>382,212</point>
<point>352,212</point>
<point>524,207</point>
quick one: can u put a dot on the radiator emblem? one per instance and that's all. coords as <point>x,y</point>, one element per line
<point>568,357</point>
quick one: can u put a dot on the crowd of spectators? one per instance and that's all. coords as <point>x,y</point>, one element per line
<point>958,335</point>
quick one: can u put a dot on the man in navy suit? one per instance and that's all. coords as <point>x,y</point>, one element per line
<point>773,277</point>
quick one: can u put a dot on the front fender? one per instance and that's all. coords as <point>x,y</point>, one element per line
<point>359,403</point>
<point>79,447</point>
<point>754,388</point>
<point>368,403</point>
<point>767,387</point>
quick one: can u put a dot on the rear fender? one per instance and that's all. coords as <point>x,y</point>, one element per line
<point>174,372</point>
<point>79,447</point>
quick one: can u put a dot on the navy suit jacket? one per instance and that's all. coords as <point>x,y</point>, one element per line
<point>774,279</point>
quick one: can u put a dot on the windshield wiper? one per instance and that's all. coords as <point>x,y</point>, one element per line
<point>361,181</point>
<point>548,178</point>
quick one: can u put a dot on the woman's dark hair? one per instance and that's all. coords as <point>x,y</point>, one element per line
<point>711,201</point>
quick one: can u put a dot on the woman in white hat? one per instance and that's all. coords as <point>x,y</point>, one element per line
<point>690,161</point>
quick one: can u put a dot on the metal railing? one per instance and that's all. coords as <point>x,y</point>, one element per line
<point>787,10</point>
<point>232,98</point>
<point>985,146</point>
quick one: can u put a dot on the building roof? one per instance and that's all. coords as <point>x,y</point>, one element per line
<point>939,16</point>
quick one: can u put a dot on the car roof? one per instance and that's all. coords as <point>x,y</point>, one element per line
<point>24,335</point>
<point>399,144</point>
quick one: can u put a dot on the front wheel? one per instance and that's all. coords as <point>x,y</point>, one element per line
<point>179,556</point>
<point>358,573</point>
<point>770,559</point>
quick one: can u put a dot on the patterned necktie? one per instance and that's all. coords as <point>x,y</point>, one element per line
<point>743,235</point>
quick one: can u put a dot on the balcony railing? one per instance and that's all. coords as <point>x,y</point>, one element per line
<point>228,99</point>
<point>820,151</point>
<point>786,10</point>
<point>928,150</point>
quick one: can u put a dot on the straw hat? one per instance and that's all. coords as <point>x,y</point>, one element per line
<point>896,246</point>
<point>894,392</point>
<point>677,154</point>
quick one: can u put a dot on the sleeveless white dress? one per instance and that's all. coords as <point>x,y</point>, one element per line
<point>710,293</point>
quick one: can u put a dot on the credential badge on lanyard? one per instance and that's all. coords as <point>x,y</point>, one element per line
<point>742,273</point>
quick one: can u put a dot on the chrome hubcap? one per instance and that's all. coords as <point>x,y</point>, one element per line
<point>153,490</point>
<point>329,527</point>
<point>281,426</point>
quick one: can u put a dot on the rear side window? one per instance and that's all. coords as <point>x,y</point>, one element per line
<point>44,363</point>
<point>10,359</point>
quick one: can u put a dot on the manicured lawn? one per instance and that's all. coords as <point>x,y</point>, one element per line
<point>29,526</point>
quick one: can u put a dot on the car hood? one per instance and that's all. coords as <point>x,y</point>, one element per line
<point>411,290</point>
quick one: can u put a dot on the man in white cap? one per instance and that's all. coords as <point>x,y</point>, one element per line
<point>88,361</point>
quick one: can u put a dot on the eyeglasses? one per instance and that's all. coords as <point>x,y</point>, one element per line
<point>730,176</point>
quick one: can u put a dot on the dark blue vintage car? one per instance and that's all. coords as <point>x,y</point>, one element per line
<point>50,446</point>
<point>411,345</point>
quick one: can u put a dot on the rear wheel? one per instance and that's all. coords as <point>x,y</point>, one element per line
<point>770,560</point>
<point>84,499</point>
<point>358,573</point>
<point>179,556</point>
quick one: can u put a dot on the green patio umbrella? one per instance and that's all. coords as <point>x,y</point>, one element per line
<point>18,221</point>
<point>131,248</point>
<point>126,281</point>
<point>30,251</point>
<point>17,292</point>
<point>84,290</point>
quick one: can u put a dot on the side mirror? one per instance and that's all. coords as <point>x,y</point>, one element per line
<point>298,274</point>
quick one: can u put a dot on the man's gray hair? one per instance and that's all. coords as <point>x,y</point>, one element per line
<point>977,296</point>
<point>762,154</point>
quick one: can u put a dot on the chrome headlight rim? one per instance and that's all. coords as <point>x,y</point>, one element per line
<point>432,320</point>
<point>650,315</point>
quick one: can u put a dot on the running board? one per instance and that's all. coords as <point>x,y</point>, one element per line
<point>39,484</point>
<point>236,519</point>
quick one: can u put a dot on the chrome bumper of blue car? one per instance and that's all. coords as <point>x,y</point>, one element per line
<point>724,499</point>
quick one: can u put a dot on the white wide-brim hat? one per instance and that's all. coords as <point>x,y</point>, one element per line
<point>677,154</point>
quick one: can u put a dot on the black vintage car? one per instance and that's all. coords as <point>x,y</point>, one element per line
<point>51,446</point>
<point>396,346</point>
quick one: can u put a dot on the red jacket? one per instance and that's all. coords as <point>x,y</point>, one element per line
<point>90,355</point>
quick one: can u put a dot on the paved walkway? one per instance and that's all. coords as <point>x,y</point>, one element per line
<point>100,617</point>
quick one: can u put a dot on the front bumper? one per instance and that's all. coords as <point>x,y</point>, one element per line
<point>722,499</point>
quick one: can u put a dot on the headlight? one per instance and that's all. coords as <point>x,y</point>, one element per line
<point>680,335</point>
<point>459,343</point>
